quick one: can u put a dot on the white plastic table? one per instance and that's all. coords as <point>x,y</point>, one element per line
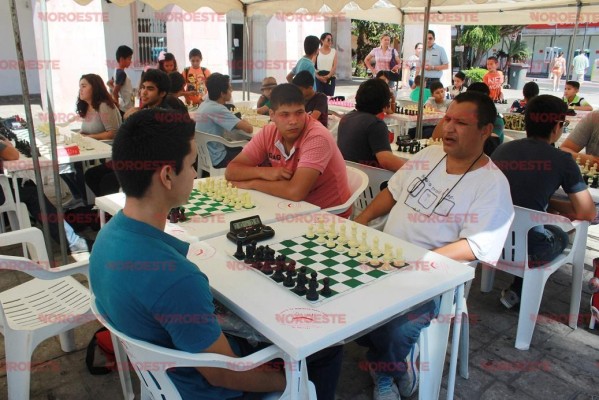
<point>281,315</point>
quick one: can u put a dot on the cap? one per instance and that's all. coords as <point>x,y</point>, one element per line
<point>268,83</point>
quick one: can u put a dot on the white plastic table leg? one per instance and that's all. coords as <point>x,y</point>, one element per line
<point>67,341</point>
<point>455,341</point>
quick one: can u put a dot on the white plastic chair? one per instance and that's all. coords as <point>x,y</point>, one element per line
<point>204,161</point>
<point>9,206</point>
<point>358,181</point>
<point>514,260</point>
<point>376,178</point>
<point>155,383</point>
<point>52,304</point>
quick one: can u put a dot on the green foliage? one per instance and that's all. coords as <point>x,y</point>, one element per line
<point>475,74</point>
<point>480,38</point>
<point>368,37</point>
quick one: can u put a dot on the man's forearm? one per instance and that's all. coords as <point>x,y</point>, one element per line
<point>381,205</point>
<point>284,189</point>
<point>459,251</point>
<point>241,172</point>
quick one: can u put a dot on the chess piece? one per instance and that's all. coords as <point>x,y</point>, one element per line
<point>321,237</point>
<point>310,233</point>
<point>330,243</point>
<point>288,282</point>
<point>375,251</point>
<point>300,288</point>
<point>239,254</point>
<point>249,253</point>
<point>291,267</point>
<point>182,217</point>
<point>312,294</point>
<point>332,231</point>
<point>320,229</point>
<point>353,250</point>
<point>399,261</point>
<point>342,238</point>
<point>326,289</point>
<point>267,268</point>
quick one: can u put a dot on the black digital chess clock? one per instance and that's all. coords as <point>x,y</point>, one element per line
<point>252,228</point>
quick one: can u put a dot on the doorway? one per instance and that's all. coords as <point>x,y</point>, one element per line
<point>236,46</point>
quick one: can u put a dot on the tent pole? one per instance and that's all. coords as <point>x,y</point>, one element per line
<point>427,12</point>
<point>53,152</point>
<point>244,73</point>
<point>401,41</point>
<point>572,42</point>
<point>30,127</point>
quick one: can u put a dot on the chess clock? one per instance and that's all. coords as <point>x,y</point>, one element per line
<point>251,227</point>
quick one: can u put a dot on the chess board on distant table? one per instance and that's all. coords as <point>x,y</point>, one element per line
<point>210,197</point>
<point>323,263</point>
<point>590,175</point>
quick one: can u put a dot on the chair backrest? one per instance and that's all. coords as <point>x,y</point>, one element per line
<point>204,160</point>
<point>377,179</point>
<point>151,361</point>
<point>515,249</point>
<point>9,200</point>
<point>358,181</point>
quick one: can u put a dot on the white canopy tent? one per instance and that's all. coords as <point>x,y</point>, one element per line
<point>419,12</point>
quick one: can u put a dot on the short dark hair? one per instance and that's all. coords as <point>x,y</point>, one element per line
<point>177,81</point>
<point>417,44</point>
<point>382,73</point>
<point>372,96</point>
<point>432,33</point>
<point>493,58</point>
<point>574,84</point>
<point>160,78</point>
<point>195,53</point>
<point>435,85</point>
<point>285,94</point>
<point>479,87</point>
<point>460,75</point>
<point>303,79</point>
<point>542,114</point>
<point>167,57</point>
<point>216,84</point>
<point>486,113</point>
<point>123,52</point>
<point>311,45</point>
<point>530,90</point>
<point>417,80</point>
<point>148,140</point>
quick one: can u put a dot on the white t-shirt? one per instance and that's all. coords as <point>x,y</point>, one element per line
<point>324,62</point>
<point>478,209</point>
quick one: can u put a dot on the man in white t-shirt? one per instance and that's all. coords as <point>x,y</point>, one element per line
<point>450,199</point>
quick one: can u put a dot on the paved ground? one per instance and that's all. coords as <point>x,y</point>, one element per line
<point>561,364</point>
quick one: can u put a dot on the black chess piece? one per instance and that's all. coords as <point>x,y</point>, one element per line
<point>301,276</point>
<point>182,217</point>
<point>288,282</point>
<point>249,254</point>
<point>312,294</point>
<point>239,254</point>
<point>278,275</point>
<point>291,267</point>
<point>257,265</point>
<point>300,288</point>
<point>267,268</point>
<point>259,253</point>
<point>172,216</point>
<point>326,289</point>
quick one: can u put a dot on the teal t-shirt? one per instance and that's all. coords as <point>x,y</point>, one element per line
<point>146,287</point>
<point>416,93</point>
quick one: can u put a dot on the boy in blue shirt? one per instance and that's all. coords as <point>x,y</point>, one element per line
<point>306,63</point>
<point>142,280</point>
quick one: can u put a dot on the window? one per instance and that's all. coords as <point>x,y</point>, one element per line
<point>151,39</point>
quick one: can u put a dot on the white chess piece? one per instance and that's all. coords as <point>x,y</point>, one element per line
<point>375,247</point>
<point>399,261</point>
<point>310,233</point>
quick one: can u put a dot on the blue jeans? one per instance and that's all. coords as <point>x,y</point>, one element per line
<point>545,243</point>
<point>390,344</point>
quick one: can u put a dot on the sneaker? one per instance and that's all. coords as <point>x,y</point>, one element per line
<point>73,203</point>
<point>509,298</point>
<point>408,383</point>
<point>384,387</point>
